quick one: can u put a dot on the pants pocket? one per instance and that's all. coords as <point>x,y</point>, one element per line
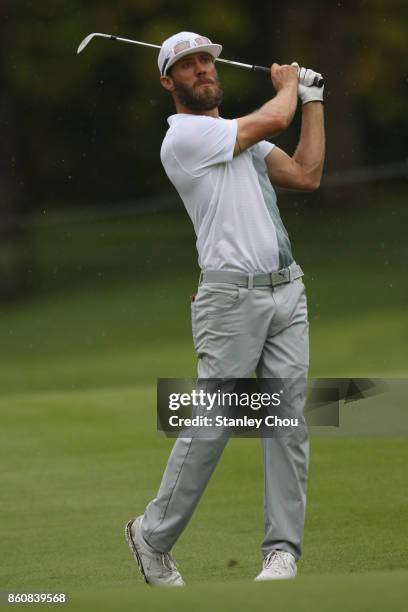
<point>217,298</point>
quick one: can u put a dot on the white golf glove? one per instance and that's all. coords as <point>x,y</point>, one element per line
<point>307,91</point>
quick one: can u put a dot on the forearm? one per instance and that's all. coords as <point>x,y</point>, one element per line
<point>280,110</point>
<point>274,116</point>
<point>310,151</point>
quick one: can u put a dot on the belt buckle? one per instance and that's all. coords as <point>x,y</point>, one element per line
<point>280,276</point>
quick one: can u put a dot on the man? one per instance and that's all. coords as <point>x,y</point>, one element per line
<point>250,311</point>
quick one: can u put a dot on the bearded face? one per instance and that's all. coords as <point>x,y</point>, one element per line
<point>204,95</point>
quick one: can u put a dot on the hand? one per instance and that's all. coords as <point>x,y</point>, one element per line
<point>307,91</point>
<point>283,76</point>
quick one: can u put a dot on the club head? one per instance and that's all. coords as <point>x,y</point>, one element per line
<point>86,41</point>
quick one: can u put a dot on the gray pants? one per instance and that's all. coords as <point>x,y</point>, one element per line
<point>238,331</point>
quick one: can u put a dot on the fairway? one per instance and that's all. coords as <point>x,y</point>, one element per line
<point>77,465</point>
<point>80,454</point>
<point>365,592</point>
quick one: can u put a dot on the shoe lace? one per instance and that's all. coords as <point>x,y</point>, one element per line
<point>276,560</point>
<point>168,562</point>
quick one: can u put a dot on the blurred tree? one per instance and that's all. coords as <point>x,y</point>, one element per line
<point>360,49</point>
<point>87,129</point>
<point>14,253</point>
<point>83,129</point>
<point>75,111</point>
<point>103,110</point>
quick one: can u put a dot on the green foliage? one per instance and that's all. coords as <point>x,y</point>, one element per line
<point>80,130</point>
<point>89,127</point>
<point>104,109</point>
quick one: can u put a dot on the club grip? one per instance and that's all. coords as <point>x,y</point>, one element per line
<point>318,82</point>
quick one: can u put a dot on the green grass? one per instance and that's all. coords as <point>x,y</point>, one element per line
<point>115,302</point>
<point>77,465</point>
<point>78,449</point>
<point>364,592</point>
<point>131,334</point>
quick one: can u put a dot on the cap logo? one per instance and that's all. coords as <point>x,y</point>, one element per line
<point>186,44</point>
<point>181,46</point>
<point>202,40</point>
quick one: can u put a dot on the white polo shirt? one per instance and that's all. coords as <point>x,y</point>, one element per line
<point>223,195</point>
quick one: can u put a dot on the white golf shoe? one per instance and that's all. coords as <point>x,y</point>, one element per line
<point>157,568</point>
<point>278,565</point>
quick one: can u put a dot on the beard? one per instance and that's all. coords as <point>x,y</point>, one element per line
<point>199,99</point>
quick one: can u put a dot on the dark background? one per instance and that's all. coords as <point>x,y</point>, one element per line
<point>84,132</point>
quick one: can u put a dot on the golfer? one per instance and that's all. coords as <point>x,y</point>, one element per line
<point>250,312</point>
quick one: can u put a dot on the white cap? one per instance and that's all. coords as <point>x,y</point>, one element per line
<point>181,44</point>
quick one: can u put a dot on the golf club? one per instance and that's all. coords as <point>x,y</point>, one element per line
<point>317,82</point>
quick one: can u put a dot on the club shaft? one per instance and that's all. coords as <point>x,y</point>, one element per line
<point>317,82</point>
<point>133,42</point>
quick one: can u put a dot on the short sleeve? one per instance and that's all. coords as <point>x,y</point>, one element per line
<point>264,148</point>
<point>199,142</point>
